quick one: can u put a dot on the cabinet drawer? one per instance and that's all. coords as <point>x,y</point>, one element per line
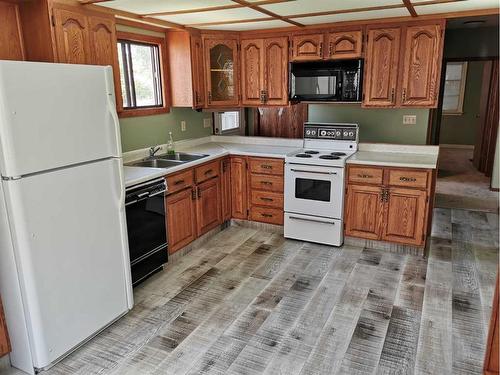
<point>365,175</point>
<point>409,178</point>
<point>266,182</point>
<point>207,171</point>
<point>179,181</point>
<point>266,198</point>
<point>267,166</point>
<point>267,215</point>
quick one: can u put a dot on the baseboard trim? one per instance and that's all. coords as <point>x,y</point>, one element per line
<point>385,246</point>
<point>450,145</point>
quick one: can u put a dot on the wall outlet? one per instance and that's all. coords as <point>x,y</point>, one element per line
<point>207,122</point>
<point>183,126</point>
<point>409,119</point>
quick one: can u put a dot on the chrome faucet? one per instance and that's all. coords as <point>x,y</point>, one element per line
<point>153,151</point>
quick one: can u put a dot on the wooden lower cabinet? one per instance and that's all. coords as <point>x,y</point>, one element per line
<point>4,336</point>
<point>364,211</point>
<point>239,204</point>
<point>208,205</point>
<point>405,216</point>
<point>225,187</point>
<point>379,209</point>
<point>491,365</point>
<point>181,219</point>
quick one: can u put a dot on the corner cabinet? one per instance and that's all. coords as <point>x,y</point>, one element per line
<point>264,71</point>
<point>389,204</point>
<point>221,72</point>
<point>403,65</point>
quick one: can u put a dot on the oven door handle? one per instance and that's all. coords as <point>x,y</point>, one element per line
<point>160,192</point>
<point>314,172</point>
<point>314,220</point>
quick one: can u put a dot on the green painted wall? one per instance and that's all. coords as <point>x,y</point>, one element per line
<point>147,131</point>
<point>461,129</point>
<point>376,125</point>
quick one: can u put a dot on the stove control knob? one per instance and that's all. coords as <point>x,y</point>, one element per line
<point>322,132</point>
<point>351,134</point>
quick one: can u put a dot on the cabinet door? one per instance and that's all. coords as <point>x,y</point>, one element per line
<point>276,71</point>
<point>252,72</point>
<point>181,219</point>
<point>226,189</point>
<point>404,216</point>
<point>421,66</point>
<point>11,37</point>
<point>364,211</point>
<point>239,196</point>
<point>345,44</point>
<point>72,37</point>
<point>208,205</point>
<point>307,47</point>
<point>104,50</point>
<point>381,67</point>
<point>221,69</point>
<point>197,71</point>
<point>4,336</point>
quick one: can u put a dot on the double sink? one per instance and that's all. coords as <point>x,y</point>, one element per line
<point>168,160</point>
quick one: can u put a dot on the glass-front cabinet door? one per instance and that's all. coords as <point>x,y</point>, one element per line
<point>221,72</point>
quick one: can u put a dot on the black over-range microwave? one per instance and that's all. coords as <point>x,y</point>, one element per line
<point>326,81</point>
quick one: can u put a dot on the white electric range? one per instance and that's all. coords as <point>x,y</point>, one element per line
<point>314,183</point>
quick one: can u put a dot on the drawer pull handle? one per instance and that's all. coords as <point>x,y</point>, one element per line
<point>178,182</point>
<point>207,172</point>
<point>266,166</point>
<point>266,215</point>
<point>266,183</point>
<point>365,176</point>
<point>266,199</point>
<point>407,179</point>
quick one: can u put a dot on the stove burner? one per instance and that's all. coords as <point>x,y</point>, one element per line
<point>311,152</point>
<point>329,157</point>
<point>338,153</point>
<point>303,156</point>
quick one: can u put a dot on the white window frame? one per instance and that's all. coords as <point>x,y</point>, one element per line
<point>463,81</point>
<point>236,131</point>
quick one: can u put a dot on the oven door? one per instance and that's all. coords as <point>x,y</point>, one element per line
<point>314,190</point>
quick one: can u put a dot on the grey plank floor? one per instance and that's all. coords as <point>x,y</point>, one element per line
<point>251,302</point>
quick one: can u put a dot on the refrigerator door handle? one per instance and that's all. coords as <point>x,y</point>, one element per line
<point>112,109</point>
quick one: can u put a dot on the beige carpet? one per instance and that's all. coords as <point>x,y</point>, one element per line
<point>460,185</point>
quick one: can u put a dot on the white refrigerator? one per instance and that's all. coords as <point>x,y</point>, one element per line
<point>64,261</point>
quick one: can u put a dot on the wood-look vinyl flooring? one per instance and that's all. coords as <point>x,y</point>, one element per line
<point>251,302</point>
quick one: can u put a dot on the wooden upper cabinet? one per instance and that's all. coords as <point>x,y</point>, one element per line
<point>364,211</point>
<point>381,67</point>
<point>276,71</point>
<point>307,47</point>
<point>252,71</point>
<point>221,72</point>
<point>104,48</point>
<point>197,71</point>
<point>72,37</point>
<point>421,65</point>
<point>345,44</point>
<point>405,216</point>
<point>11,36</point>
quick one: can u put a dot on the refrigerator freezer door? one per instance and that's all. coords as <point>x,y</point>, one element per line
<point>70,243</point>
<point>55,115</point>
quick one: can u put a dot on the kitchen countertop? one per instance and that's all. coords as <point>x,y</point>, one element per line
<point>217,146</point>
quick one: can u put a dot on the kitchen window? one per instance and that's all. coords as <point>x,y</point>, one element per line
<point>454,88</point>
<point>229,122</point>
<point>142,81</point>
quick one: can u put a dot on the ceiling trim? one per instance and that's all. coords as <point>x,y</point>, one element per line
<point>267,12</point>
<point>250,20</point>
<point>211,9</point>
<point>410,8</point>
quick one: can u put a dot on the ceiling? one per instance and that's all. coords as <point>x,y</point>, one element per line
<point>263,14</point>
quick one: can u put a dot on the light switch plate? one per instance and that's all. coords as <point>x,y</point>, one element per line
<point>183,126</point>
<point>207,122</point>
<point>409,119</point>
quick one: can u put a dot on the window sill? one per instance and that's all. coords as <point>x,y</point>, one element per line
<point>452,113</point>
<point>137,112</point>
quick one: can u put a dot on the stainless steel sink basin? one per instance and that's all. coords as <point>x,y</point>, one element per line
<point>157,163</point>
<point>182,156</point>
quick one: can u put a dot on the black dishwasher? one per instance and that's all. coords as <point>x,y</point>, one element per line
<point>146,226</point>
